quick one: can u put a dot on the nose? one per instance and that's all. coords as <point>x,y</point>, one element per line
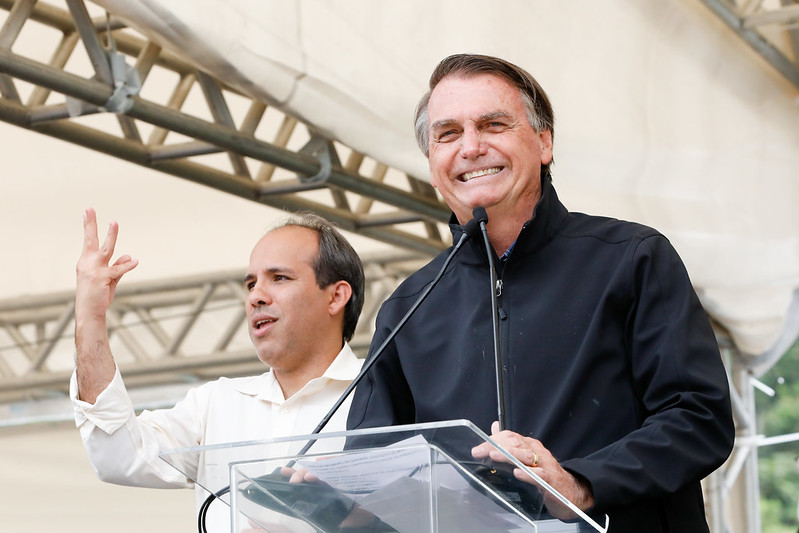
<point>258,295</point>
<point>471,144</point>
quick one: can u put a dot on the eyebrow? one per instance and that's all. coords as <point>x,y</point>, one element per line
<point>270,270</point>
<point>485,117</point>
<point>443,123</point>
<point>496,114</point>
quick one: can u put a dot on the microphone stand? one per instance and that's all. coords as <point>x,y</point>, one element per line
<point>469,231</point>
<point>481,217</point>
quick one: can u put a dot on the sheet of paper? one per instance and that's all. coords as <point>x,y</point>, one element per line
<point>393,483</point>
<point>361,473</point>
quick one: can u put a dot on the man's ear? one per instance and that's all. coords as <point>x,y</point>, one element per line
<point>340,293</point>
<point>545,138</point>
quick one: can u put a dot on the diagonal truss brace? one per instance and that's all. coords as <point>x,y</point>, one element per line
<point>403,212</point>
<point>746,19</point>
<point>171,330</point>
<point>267,156</point>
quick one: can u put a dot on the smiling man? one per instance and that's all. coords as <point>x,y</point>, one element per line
<point>615,390</point>
<point>483,151</point>
<point>305,291</point>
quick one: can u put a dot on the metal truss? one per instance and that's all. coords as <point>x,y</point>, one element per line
<point>176,119</point>
<point>732,493</point>
<point>92,81</point>
<point>167,331</point>
<point>769,27</point>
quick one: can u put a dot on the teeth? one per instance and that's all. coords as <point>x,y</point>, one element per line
<point>483,172</point>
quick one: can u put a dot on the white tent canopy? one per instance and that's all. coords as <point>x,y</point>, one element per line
<point>662,115</point>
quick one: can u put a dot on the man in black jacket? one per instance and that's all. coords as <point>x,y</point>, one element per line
<point>617,394</point>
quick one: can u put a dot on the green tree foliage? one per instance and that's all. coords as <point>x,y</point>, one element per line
<point>778,467</point>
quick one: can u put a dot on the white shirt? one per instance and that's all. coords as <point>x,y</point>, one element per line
<point>124,448</point>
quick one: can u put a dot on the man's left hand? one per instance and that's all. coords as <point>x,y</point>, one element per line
<point>534,455</point>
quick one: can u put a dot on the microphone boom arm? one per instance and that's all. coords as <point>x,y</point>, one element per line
<point>481,217</point>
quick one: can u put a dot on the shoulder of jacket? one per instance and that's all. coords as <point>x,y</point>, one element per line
<point>606,229</point>
<point>416,282</point>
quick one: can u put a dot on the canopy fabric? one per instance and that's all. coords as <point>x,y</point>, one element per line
<point>662,115</point>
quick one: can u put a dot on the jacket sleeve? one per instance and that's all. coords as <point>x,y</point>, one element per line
<point>383,398</point>
<point>681,385</point>
<point>124,448</point>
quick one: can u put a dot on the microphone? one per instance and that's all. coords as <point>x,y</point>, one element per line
<point>480,215</point>
<point>470,230</point>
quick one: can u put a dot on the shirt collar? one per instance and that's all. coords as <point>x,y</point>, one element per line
<point>265,387</point>
<point>505,256</point>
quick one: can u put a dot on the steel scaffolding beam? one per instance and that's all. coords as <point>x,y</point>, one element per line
<point>195,127</point>
<point>770,28</point>
<point>165,331</point>
<point>271,157</point>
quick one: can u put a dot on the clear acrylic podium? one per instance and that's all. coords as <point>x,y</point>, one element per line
<point>418,478</point>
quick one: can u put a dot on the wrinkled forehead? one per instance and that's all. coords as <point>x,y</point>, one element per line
<point>457,97</point>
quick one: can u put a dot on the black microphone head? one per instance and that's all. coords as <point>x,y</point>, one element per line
<point>472,229</point>
<point>479,214</point>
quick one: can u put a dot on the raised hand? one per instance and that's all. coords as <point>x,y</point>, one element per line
<point>96,284</point>
<point>96,279</point>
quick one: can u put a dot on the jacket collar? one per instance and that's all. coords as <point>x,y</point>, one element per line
<point>548,215</point>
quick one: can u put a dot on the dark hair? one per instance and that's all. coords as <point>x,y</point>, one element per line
<point>535,100</point>
<point>336,260</point>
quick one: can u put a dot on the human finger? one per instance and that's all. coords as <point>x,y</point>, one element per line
<point>483,450</point>
<point>122,266</point>
<point>527,450</point>
<point>504,439</point>
<point>110,242</point>
<point>302,475</point>
<point>530,455</point>
<point>295,475</point>
<point>298,476</point>
<point>90,240</point>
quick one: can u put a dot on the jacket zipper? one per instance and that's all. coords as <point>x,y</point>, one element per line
<point>500,310</point>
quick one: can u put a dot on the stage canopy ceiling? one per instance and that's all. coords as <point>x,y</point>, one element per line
<point>679,114</point>
<point>663,115</point>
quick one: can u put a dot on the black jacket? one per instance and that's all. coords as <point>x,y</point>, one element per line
<point>611,361</point>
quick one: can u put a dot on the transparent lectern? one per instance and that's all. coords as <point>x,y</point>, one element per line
<point>418,478</point>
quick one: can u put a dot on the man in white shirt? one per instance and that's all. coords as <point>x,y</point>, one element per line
<point>306,291</point>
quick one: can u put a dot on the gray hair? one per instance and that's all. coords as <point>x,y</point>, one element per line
<point>535,100</point>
